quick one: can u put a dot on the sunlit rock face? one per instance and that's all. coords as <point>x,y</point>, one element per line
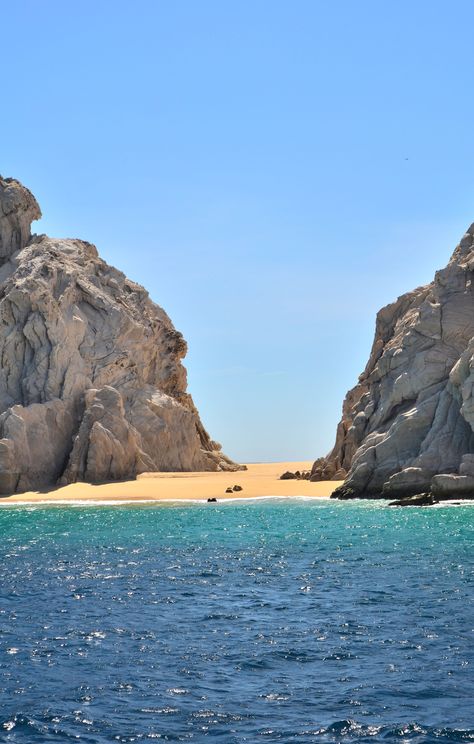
<point>407,426</point>
<point>18,209</point>
<point>91,381</point>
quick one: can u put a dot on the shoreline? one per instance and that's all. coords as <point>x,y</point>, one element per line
<point>149,502</point>
<point>260,480</point>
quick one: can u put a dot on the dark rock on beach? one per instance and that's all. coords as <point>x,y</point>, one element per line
<point>297,475</point>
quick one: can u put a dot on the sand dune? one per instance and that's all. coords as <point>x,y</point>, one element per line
<point>261,479</point>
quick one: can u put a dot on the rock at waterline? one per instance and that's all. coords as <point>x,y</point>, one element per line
<point>421,499</point>
<point>407,426</point>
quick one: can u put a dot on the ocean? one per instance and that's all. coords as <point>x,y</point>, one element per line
<point>275,620</point>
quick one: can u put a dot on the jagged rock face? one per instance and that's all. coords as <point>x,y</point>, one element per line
<point>18,209</point>
<point>407,426</point>
<point>91,381</point>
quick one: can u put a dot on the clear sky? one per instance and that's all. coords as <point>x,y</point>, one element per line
<point>273,172</point>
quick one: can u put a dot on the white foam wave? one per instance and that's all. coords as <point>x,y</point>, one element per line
<point>156,502</point>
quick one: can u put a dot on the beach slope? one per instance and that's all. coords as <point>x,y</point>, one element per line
<point>261,479</point>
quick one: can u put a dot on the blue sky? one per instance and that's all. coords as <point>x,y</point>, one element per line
<point>273,172</point>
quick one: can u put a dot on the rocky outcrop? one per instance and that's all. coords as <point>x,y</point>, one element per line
<point>18,209</point>
<point>407,426</point>
<point>91,381</point>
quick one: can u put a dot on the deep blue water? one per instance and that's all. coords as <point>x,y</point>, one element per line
<point>263,621</point>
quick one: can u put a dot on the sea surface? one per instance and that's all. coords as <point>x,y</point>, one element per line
<point>250,621</point>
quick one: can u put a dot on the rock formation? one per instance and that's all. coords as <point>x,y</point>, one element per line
<point>91,381</point>
<point>407,426</point>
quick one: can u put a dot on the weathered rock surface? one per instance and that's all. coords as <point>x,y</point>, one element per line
<point>91,381</point>
<point>407,426</point>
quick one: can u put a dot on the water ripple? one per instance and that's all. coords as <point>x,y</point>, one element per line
<point>272,621</point>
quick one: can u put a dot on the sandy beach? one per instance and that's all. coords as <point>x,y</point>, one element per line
<point>261,479</point>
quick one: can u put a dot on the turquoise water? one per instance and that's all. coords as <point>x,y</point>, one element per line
<point>264,621</point>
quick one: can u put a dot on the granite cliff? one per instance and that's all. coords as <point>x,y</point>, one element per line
<point>407,426</point>
<point>91,381</point>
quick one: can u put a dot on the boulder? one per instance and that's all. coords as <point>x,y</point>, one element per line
<point>407,482</point>
<point>420,499</point>
<point>445,486</point>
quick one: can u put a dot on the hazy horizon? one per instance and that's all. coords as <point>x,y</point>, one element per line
<point>273,174</point>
